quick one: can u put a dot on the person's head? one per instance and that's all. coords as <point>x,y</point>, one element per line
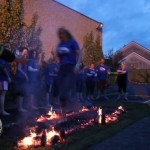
<point>50,61</point>
<point>33,54</point>
<point>123,66</point>
<point>64,35</point>
<point>92,66</point>
<point>24,52</point>
<point>81,65</point>
<point>102,61</point>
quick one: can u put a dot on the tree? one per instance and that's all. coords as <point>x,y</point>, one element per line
<point>98,53</point>
<point>92,50</point>
<point>14,31</point>
<point>113,58</point>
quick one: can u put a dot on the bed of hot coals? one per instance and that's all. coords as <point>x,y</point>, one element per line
<point>50,130</point>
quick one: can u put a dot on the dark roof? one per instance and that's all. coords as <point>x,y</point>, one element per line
<point>131,43</point>
<point>77,12</point>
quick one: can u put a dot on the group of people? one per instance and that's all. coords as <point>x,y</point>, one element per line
<point>25,79</point>
<point>64,74</point>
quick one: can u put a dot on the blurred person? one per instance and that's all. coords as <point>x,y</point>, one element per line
<point>6,55</point>
<point>21,79</point>
<point>33,78</point>
<point>91,82</point>
<point>102,71</point>
<point>122,80</point>
<point>80,77</point>
<point>4,81</point>
<point>70,56</point>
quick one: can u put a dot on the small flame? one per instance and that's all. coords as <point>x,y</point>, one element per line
<point>50,116</point>
<point>84,109</point>
<point>100,115</point>
<point>121,108</point>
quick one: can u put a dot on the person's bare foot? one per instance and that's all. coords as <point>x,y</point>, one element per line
<point>22,110</point>
<point>34,108</point>
<point>5,113</point>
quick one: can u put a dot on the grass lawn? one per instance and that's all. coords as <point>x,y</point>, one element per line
<point>84,138</point>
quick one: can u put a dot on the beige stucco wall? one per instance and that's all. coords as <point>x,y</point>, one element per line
<point>52,15</point>
<point>134,62</point>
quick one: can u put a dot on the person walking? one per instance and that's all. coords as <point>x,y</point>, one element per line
<point>70,56</point>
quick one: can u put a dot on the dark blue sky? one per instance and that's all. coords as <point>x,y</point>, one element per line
<point>124,20</point>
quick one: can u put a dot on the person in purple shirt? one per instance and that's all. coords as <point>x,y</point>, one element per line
<point>69,55</point>
<point>49,78</point>
<point>80,77</point>
<point>4,81</point>
<point>102,71</point>
<point>122,81</point>
<point>91,81</point>
<point>33,80</point>
<point>21,80</point>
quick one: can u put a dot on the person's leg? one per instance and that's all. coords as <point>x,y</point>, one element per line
<point>30,93</point>
<point>92,88</point>
<point>48,90</point>
<point>104,89</point>
<point>54,92</point>
<point>88,89</point>
<point>81,90</point>
<point>119,89</point>
<point>98,89</point>
<point>124,88</point>
<point>2,102</point>
<point>65,80</point>
<point>20,102</point>
<point>77,90</point>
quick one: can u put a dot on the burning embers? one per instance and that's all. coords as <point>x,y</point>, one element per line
<point>46,138</point>
<point>75,121</point>
<point>51,115</point>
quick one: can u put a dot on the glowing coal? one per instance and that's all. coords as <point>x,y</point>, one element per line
<point>87,116</point>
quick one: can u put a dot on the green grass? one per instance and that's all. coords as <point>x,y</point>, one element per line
<point>84,138</point>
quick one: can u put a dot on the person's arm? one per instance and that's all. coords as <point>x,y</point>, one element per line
<point>89,74</point>
<point>30,66</point>
<point>24,74</point>
<point>7,74</point>
<point>121,71</point>
<point>52,74</point>
<point>95,75</point>
<point>21,61</point>
<point>31,69</point>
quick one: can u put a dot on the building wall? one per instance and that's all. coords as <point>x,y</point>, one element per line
<point>53,15</point>
<point>134,62</point>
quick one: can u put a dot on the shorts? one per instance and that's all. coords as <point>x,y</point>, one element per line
<point>4,85</point>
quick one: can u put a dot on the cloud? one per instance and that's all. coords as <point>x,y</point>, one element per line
<point>124,20</point>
